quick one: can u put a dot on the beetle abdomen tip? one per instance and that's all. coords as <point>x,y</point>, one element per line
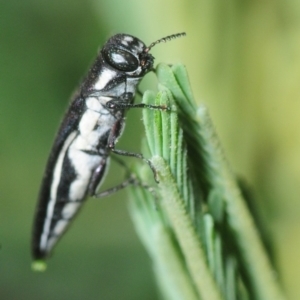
<point>39,266</point>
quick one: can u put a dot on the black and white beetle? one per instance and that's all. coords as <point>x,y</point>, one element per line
<point>87,135</point>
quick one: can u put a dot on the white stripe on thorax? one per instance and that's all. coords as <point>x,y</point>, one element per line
<point>105,77</point>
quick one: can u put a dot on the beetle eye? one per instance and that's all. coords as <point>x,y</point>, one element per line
<point>120,59</point>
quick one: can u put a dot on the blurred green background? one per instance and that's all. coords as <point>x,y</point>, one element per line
<point>243,58</point>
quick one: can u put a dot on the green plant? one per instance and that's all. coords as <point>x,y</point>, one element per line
<point>198,231</point>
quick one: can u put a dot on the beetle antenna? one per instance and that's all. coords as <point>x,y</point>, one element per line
<point>165,39</point>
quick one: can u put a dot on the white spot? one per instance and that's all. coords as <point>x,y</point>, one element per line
<point>118,58</point>
<point>86,142</point>
<point>93,104</point>
<point>105,77</point>
<point>128,38</point>
<point>70,209</point>
<point>53,192</point>
<point>60,227</point>
<point>84,165</point>
<point>92,126</point>
<point>88,122</point>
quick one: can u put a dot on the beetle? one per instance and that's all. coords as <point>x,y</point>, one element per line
<point>88,134</point>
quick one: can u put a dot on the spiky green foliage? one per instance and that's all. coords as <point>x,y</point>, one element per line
<point>196,227</point>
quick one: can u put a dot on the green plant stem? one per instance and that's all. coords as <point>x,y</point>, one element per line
<point>207,232</point>
<point>258,267</point>
<point>171,272</point>
<point>218,175</point>
<point>185,232</point>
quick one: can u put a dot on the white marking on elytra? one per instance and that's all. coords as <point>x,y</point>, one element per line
<point>60,226</point>
<point>59,229</point>
<point>92,126</point>
<point>84,164</point>
<point>88,122</point>
<point>97,104</point>
<point>106,76</point>
<point>93,103</point>
<point>94,123</point>
<point>70,209</point>
<point>53,192</point>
